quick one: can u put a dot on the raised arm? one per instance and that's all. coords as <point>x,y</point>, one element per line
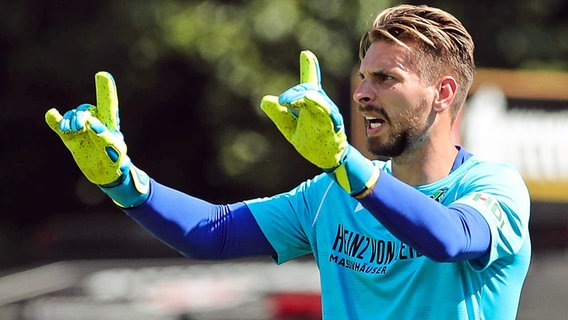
<point>311,122</point>
<point>191,226</point>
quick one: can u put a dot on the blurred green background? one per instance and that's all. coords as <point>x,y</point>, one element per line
<point>190,75</point>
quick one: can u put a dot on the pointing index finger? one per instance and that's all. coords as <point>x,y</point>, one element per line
<point>309,68</point>
<point>107,100</point>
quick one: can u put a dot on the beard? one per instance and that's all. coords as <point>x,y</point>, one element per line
<point>402,136</point>
<point>394,146</point>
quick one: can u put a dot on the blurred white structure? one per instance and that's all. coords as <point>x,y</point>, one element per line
<point>535,141</point>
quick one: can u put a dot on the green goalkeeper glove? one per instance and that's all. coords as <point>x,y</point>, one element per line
<point>312,123</point>
<point>92,134</point>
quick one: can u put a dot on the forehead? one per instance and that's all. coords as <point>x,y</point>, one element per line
<point>386,55</point>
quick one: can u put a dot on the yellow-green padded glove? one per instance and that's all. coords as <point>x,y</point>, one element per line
<point>92,150</point>
<point>303,115</point>
<point>312,123</point>
<point>92,134</point>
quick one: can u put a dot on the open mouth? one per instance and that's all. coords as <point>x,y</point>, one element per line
<point>374,123</point>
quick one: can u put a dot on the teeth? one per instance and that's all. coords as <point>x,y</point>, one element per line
<point>374,122</point>
<point>374,125</point>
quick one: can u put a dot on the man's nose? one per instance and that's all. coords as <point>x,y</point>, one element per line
<point>362,94</point>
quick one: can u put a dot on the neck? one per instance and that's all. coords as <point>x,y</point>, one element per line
<point>426,165</point>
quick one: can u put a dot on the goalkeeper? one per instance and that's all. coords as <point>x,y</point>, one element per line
<point>431,233</point>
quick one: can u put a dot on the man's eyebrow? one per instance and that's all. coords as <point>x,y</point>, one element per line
<point>374,74</point>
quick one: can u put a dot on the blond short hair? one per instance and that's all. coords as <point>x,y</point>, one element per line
<point>443,44</point>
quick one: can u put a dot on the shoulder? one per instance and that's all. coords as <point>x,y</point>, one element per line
<point>492,173</point>
<point>483,181</point>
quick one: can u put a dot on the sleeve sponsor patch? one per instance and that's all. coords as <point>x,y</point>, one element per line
<point>488,202</point>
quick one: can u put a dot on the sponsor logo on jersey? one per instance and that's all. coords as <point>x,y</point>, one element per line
<point>491,204</point>
<point>361,253</point>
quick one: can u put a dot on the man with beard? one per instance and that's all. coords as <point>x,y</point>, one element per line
<point>430,233</point>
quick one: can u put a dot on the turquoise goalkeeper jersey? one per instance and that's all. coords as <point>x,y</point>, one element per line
<point>367,273</point>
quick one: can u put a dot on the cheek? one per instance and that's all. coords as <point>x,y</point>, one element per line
<point>418,101</point>
<point>408,103</point>
<point>419,116</point>
<point>412,116</point>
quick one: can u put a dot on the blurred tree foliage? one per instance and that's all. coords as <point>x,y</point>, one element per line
<point>190,75</point>
<point>523,34</point>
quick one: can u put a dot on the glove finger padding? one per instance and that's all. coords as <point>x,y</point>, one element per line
<point>309,68</point>
<point>107,101</point>
<point>283,118</point>
<point>53,118</point>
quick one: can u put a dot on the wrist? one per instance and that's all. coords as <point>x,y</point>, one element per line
<point>131,190</point>
<point>356,174</point>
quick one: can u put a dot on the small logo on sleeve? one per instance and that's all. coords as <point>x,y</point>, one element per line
<point>490,203</point>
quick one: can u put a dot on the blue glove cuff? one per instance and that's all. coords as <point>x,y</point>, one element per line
<point>355,173</point>
<point>132,191</point>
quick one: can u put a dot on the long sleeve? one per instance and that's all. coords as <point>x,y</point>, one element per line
<point>199,229</point>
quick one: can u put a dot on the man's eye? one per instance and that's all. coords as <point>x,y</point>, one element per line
<point>384,77</point>
<point>379,77</point>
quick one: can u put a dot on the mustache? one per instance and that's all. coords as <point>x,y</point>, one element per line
<point>374,109</point>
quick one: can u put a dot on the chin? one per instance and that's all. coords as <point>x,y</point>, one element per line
<point>383,151</point>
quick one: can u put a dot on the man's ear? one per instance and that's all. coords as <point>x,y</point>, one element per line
<point>447,88</point>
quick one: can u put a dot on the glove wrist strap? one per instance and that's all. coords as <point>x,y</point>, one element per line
<point>356,173</point>
<point>132,191</point>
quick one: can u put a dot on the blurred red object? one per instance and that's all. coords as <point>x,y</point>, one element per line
<point>295,305</point>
